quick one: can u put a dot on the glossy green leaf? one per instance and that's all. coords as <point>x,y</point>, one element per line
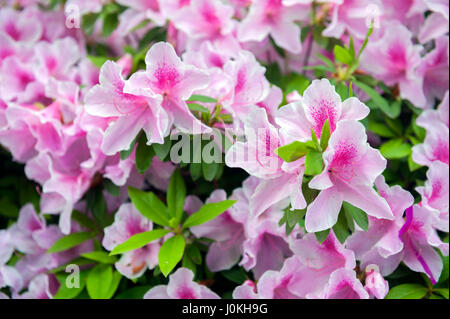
<point>100,256</point>
<point>325,135</point>
<point>295,150</point>
<point>359,216</point>
<point>139,240</point>
<point>70,241</point>
<point>343,55</point>
<point>69,292</point>
<point>149,205</point>
<point>170,254</point>
<point>208,212</point>
<point>313,163</point>
<point>176,194</point>
<point>99,281</point>
<point>144,154</point>
<point>322,235</point>
<point>407,291</point>
<point>395,149</point>
<point>201,98</point>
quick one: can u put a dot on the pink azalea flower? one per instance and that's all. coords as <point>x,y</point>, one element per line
<point>86,6</point>
<point>10,277</point>
<point>133,113</point>
<point>343,284</point>
<point>138,11</point>
<point>128,222</point>
<point>375,284</point>
<point>435,194</point>
<point>351,16</point>
<point>256,155</point>
<point>272,284</point>
<point>181,286</point>
<point>434,69</point>
<point>318,263</point>
<point>19,26</point>
<point>175,81</point>
<point>250,85</point>
<point>6,246</point>
<point>381,244</point>
<point>172,8</point>
<point>18,82</point>
<point>208,20</point>
<point>42,286</point>
<point>56,59</point>
<point>227,233</point>
<point>272,17</point>
<point>436,144</point>
<point>419,239</point>
<point>351,167</point>
<point>430,117</point>
<point>436,23</point>
<point>394,59</point>
<point>265,245</point>
<point>319,103</point>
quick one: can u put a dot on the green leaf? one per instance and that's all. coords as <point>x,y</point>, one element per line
<point>198,108</point>
<point>326,60</point>
<point>111,188</point>
<point>7,208</point>
<point>139,240</point>
<point>88,22</point>
<point>125,154</point>
<point>189,264</point>
<point>395,149</point>
<point>358,215</point>
<point>294,216</point>
<point>340,229</point>
<point>144,154</point>
<point>196,171</point>
<point>100,256</point>
<point>201,98</point>
<point>70,241</point>
<point>236,275</point>
<point>413,166</point>
<point>379,101</point>
<point>407,291</point>
<point>322,235</point>
<point>208,212</point>
<point>170,254</point>
<point>351,48</point>
<point>315,140</point>
<point>149,205</point>
<point>442,291</point>
<point>295,82</point>
<point>381,129</point>
<point>110,23</point>
<point>325,135</point>
<point>445,261</point>
<point>176,194</point>
<point>64,292</point>
<point>313,163</point>
<point>99,281</point>
<point>295,150</point>
<point>98,61</point>
<point>134,293</point>
<point>209,170</point>
<point>343,55</point>
<point>194,254</point>
<point>154,34</point>
<point>162,150</point>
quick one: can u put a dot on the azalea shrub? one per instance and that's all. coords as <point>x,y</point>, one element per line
<point>247,149</point>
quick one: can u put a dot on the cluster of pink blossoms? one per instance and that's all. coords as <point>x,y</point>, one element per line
<point>68,121</point>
